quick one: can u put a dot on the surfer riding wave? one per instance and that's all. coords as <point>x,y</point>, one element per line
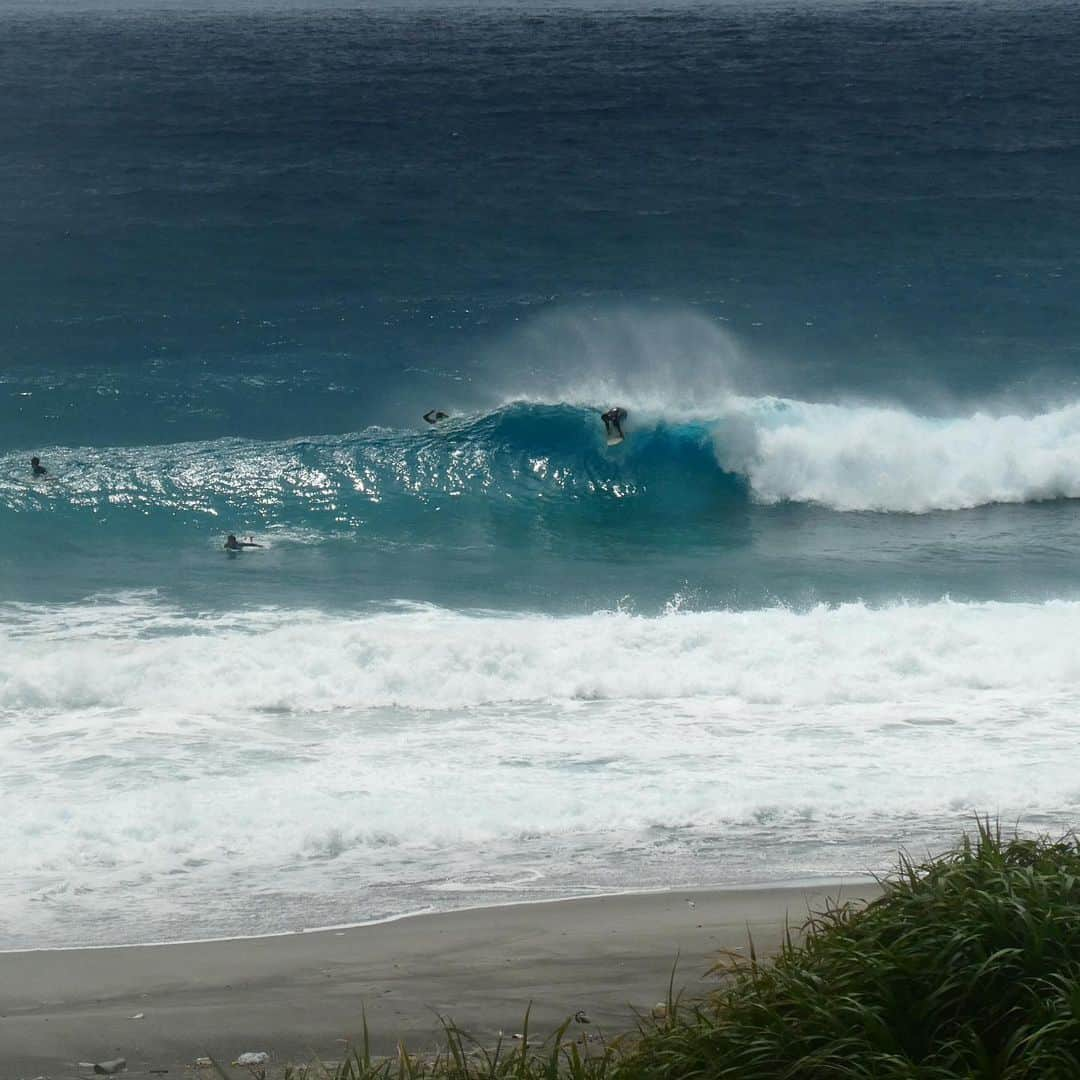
<point>613,419</point>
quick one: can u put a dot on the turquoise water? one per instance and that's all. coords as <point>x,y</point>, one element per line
<point>819,604</point>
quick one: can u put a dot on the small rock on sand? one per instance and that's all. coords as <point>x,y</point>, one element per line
<point>253,1057</point>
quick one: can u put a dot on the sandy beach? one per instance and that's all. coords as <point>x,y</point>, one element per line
<point>296,996</point>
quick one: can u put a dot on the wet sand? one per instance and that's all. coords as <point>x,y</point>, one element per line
<point>302,995</point>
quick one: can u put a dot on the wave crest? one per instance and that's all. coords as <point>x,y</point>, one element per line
<point>524,455</point>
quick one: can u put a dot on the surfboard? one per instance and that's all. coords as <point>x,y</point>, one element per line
<point>614,440</point>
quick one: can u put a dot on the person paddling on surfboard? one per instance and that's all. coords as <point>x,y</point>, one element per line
<point>232,544</point>
<point>613,419</point>
<point>39,469</point>
<point>433,416</point>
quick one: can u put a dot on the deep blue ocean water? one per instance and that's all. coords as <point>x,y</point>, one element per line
<point>822,601</point>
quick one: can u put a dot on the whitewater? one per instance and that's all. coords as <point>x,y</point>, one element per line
<point>821,605</point>
<point>350,768</point>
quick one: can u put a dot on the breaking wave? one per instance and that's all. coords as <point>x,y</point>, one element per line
<point>526,458</point>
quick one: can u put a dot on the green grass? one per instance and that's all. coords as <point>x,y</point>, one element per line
<point>461,1058</point>
<point>968,966</point>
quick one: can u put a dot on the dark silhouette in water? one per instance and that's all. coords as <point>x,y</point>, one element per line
<point>613,419</point>
<point>39,469</point>
<point>232,544</point>
<point>433,416</point>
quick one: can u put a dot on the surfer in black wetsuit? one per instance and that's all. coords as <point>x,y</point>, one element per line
<point>613,418</point>
<point>39,469</point>
<point>433,416</point>
<point>232,544</point>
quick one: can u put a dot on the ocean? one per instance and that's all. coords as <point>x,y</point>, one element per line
<point>821,606</point>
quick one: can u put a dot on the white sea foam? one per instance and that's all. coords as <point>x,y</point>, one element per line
<point>142,656</point>
<point>860,457</point>
<point>230,772</point>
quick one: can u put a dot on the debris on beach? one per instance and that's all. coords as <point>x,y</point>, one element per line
<point>107,1068</point>
<point>253,1057</point>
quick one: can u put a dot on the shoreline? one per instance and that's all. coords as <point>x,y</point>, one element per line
<point>809,884</point>
<point>304,994</point>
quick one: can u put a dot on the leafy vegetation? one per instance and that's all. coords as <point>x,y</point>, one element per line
<point>967,966</point>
